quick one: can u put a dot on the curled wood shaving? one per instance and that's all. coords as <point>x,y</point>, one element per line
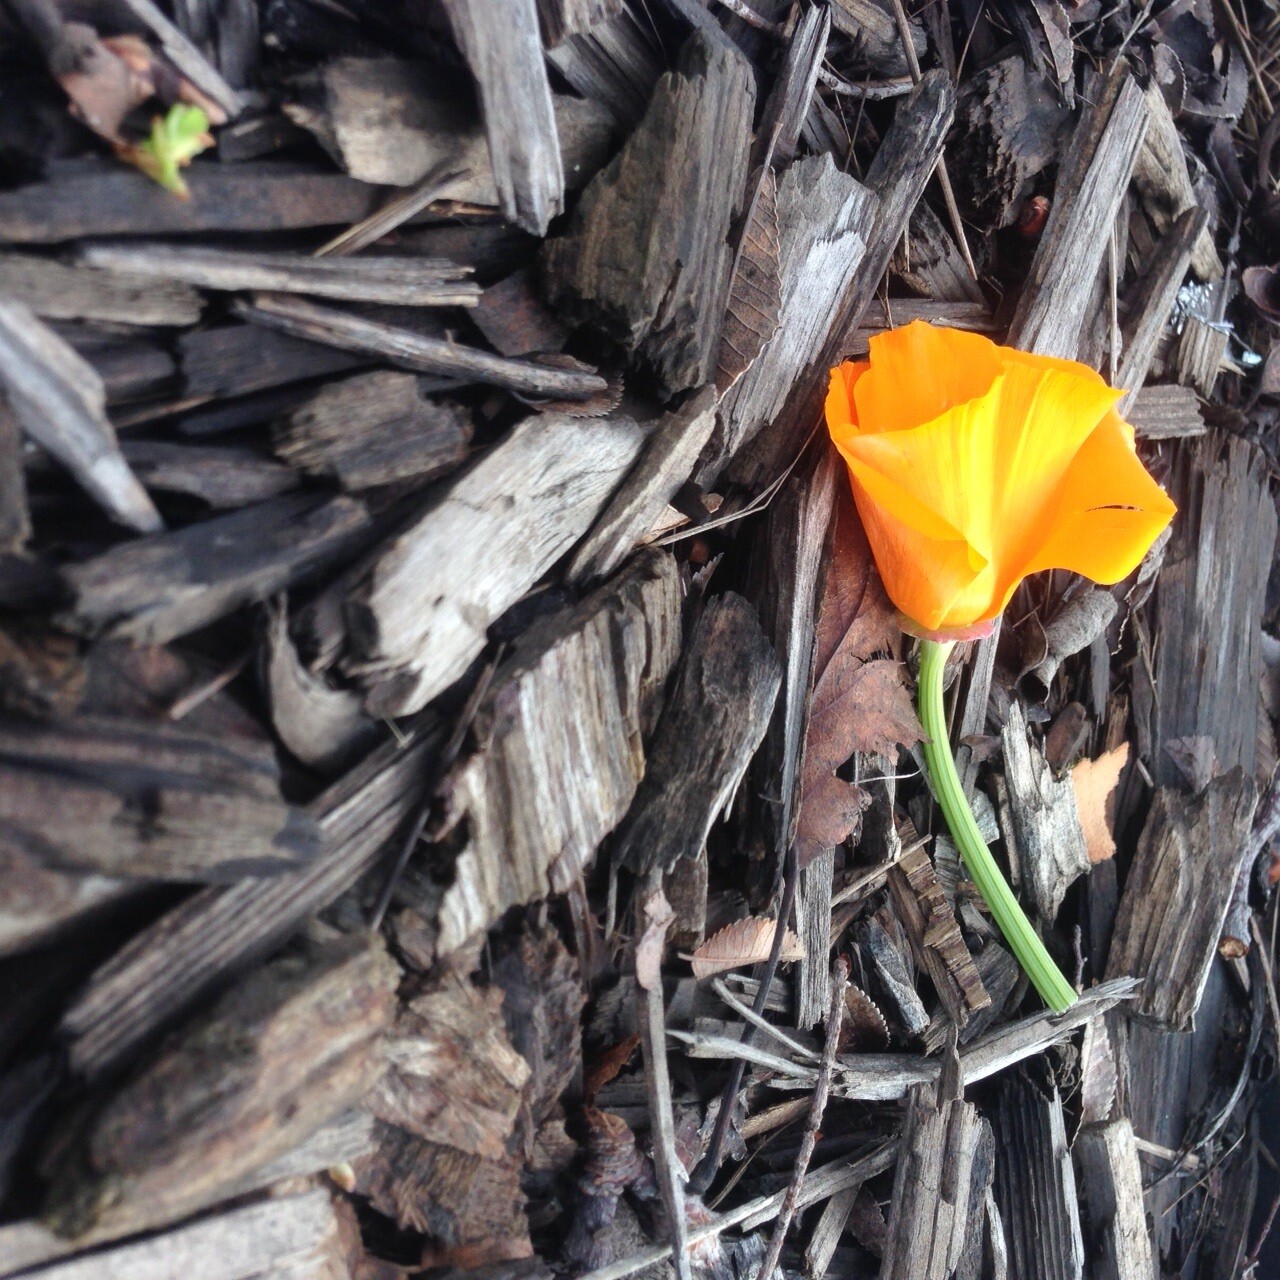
<point>1094,783</point>
<point>744,942</point>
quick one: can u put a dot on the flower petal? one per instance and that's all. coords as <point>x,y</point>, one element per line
<point>842,416</point>
<point>1108,510</point>
<point>919,372</point>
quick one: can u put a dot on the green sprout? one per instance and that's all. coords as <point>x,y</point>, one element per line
<point>176,139</point>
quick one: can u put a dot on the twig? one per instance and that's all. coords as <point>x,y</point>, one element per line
<point>655,916</point>
<point>872,90</point>
<point>203,692</point>
<point>757,1021</point>
<point>385,220</point>
<point>944,178</point>
<point>835,1017</point>
<point>707,1166</point>
<point>840,1174</point>
<point>740,9</point>
<point>1265,958</point>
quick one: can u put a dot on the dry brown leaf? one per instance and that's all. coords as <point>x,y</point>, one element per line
<point>607,1066</point>
<point>755,296</point>
<point>859,703</point>
<point>1094,782</point>
<point>658,917</point>
<point>744,942</point>
<point>865,1030</point>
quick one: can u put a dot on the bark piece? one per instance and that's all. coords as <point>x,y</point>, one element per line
<point>218,931</point>
<point>934,268</point>
<point>239,359</point>
<point>398,281</point>
<point>1201,351</point>
<point>413,350</point>
<point>453,1076</point>
<point>669,455</point>
<point>1205,672</point>
<point>455,1196</point>
<point>374,429</point>
<point>423,610</point>
<point>60,403</point>
<point>15,514</point>
<point>221,477</point>
<point>383,124</point>
<point>513,318</point>
<point>1165,412</point>
<point>1111,1178</point>
<point>1046,827</point>
<point>1057,300</point>
<point>295,1044</point>
<point>1177,893</point>
<point>1154,302</point>
<point>323,726</point>
<point>823,221</point>
<point>712,723</point>
<point>615,64</point>
<point>37,901</point>
<point>561,18</point>
<point>105,198</point>
<point>647,257</point>
<point>153,589</point>
<point>563,725</point>
<point>813,921</point>
<point>302,1236</point>
<point>130,798</point>
<point>504,52</point>
<point>1163,182</point>
<point>56,291</point>
<point>943,1173</point>
<point>1035,1184</point>
<point>935,936</point>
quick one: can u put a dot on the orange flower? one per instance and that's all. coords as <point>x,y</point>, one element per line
<point>975,465</point>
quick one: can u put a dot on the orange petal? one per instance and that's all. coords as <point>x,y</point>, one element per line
<point>919,372</point>
<point>841,415</point>
<point>1108,510</point>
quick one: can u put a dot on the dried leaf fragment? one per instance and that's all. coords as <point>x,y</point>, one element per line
<point>744,942</point>
<point>658,917</point>
<point>755,293</point>
<point>1094,782</point>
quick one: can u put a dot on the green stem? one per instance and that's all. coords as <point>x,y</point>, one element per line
<point>1022,938</point>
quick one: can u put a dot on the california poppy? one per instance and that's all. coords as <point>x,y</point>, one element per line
<point>974,465</point>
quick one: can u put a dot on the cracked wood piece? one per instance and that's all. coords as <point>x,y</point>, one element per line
<point>132,798</point>
<point>1201,350</point>
<point>504,51</point>
<point>374,429</point>
<point>1046,826</point>
<point>169,964</point>
<point>154,589</point>
<point>944,1170</point>
<point>1111,1178</point>
<point>294,1044</point>
<point>647,256</point>
<point>398,281</point>
<point>934,268</point>
<point>896,178</point>
<point>669,455</point>
<point>778,132</point>
<point>824,217</point>
<point>1155,299</point>
<point>711,725</point>
<point>1035,1184</point>
<point>615,64</point>
<point>563,18</point>
<point>106,198</point>
<point>813,926</point>
<point>1203,678</point>
<point>56,291</point>
<point>1177,893</point>
<point>304,1236</point>
<point>563,729</point>
<point>1055,303</point>
<point>1165,412</point>
<point>1163,183</point>
<point>421,613</point>
<point>453,1076</point>
<point>221,477</point>
<point>935,936</point>
<point>413,350</point>
<point>60,403</point>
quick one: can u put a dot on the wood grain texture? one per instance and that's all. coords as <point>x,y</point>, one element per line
<point>647,256</point>
<point>1111,1179</point>
<point>422,613</point>
<point>503,49</point>
<point>153,589</point>
<point>564,726</point>
<point>712,723</point>
<point>57,291</point>
<point>1176,897</point>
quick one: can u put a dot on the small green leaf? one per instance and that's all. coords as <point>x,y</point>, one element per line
<point>176,139</point>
